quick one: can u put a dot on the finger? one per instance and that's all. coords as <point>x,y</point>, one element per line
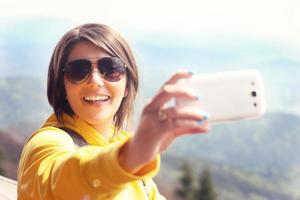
<point>185,113</point>
<point>177,76</point>
<point>183,123</point>
<point>184,131</point>
<point>168,92</point>
<point>185,127</point>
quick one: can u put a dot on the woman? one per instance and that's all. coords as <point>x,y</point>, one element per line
<point>92,82</point>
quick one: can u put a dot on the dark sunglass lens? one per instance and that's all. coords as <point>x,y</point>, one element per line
<point>78,70</point>
<point>112,69</point>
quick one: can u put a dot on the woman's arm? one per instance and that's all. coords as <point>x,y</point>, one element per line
<point>52,168</point>
<point>160,126</point>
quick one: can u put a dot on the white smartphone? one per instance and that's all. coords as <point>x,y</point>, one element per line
<point>227,96</point>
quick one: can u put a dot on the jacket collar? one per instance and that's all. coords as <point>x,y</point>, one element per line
<point>90,134</point>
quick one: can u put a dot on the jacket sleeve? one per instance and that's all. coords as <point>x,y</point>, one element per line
<point>152,191</point>
<point>51,167</point>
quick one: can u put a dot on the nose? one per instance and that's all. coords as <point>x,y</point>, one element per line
<point>95,79</point>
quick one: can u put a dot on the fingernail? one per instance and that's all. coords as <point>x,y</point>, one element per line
<point>198,97</point>
<point>201,122</point>
<point>205,115</point>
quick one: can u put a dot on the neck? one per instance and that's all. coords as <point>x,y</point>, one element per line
<point>104,129</point>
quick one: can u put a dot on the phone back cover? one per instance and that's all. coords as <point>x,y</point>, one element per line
<point>228,96</point>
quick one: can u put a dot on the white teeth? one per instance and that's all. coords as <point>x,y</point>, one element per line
<point>96,98</point>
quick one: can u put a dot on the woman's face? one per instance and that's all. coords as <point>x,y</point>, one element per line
<point>94,100</point>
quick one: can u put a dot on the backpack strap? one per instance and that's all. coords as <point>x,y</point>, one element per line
<point>78,140</point>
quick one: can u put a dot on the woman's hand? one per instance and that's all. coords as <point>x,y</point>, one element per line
<point>160,125</point>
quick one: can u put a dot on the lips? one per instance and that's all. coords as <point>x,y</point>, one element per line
<point>96,98</point>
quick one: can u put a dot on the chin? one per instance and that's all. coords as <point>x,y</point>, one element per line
<point>102,119</point>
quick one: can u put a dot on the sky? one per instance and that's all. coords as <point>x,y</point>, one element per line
<point>266,19</point>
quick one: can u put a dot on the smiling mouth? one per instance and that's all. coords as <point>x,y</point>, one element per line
<point>91,99</point>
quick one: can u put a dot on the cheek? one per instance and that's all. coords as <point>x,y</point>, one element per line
<point>121,89</point>
<point>71,92</point>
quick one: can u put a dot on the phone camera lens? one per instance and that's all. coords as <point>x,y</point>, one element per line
<point>253,93</point>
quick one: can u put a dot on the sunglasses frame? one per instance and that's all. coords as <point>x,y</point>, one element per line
<point>113,59</point>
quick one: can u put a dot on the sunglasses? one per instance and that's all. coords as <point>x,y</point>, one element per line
<point>111,69</point>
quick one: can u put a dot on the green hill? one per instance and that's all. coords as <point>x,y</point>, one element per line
<point>249,159</point>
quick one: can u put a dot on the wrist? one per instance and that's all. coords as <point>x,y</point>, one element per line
<point>133,155</point>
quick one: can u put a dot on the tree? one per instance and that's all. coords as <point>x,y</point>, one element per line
<point>205,191</point>
<point>186,189</point>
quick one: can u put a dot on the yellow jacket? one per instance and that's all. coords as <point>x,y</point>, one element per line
<point>53,168</point>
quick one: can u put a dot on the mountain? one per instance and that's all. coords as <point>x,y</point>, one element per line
<point>263,143</point>
<point>23,103</point>
<point>254,158</point>
<point>230,183</point>
<point>10,148</point>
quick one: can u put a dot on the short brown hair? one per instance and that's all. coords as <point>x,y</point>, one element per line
<point>109,41</point>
